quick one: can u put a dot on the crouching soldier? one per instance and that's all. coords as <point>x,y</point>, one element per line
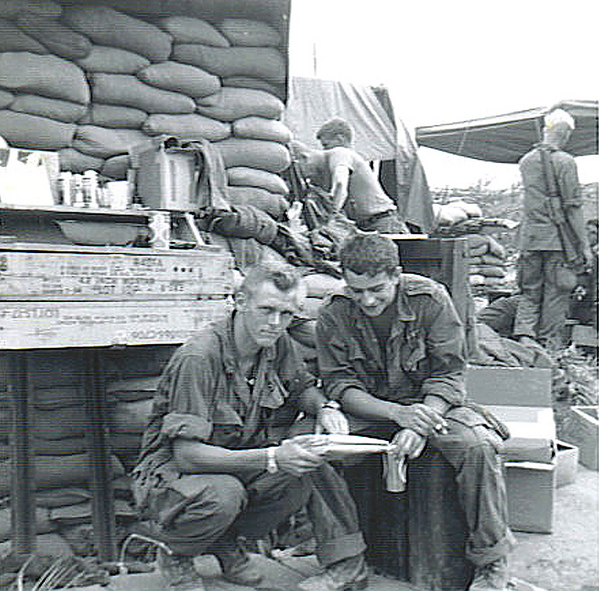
<point>211,467</point>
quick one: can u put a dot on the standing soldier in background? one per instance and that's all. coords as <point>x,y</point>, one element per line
<point>552,232</point>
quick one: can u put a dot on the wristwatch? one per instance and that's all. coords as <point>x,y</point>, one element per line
<point>271,463</point>
<point>332,404</point>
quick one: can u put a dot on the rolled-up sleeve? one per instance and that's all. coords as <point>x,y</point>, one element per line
<point>178,425</point>
<point>567,178</point>
<point>191,384</point>
<point>334,362</point>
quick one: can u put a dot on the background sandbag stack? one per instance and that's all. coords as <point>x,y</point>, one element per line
<point>488,264</point>
<point>318,287</point>
<point>91,81</point>
<point>61,462</point>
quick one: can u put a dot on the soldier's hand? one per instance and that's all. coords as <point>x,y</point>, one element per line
<point>300,455</point>
<point>419,417</point>
<point>408,443</point>
<point>330,420</point>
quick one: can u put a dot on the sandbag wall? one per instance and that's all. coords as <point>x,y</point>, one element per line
<point>488,264</point>
<point>62,465</point>
<point>91,81</point>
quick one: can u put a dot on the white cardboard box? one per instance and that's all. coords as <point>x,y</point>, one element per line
<point>521,398</point>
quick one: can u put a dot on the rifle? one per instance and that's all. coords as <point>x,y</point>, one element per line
<point>569,240</point>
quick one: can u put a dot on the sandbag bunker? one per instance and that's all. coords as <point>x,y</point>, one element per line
<point>91,81</point>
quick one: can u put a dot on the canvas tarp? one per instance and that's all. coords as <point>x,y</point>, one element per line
<point>506,138</point>
<point>378,136</point>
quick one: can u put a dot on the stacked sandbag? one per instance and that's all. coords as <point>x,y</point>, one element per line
<point>488,264</point>
<point>131,380</point>
<point>130,404</point>
<point>319,286</point>
<point>62,467</point>
<point>454,212</point>
<point>91,81</point>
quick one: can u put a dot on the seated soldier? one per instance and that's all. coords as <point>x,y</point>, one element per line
<point>391,351</point>
<point>214,464</point>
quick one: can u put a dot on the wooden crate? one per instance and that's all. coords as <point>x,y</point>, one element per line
<point>92,275</point>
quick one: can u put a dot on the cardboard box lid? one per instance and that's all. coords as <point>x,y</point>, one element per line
<point>514,386</point>
<point>532,430</point>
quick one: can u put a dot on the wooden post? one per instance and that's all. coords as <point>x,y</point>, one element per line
<point>22,467</point>
<point>99,455</point>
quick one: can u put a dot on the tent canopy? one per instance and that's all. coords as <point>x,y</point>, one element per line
<point>506,138</point>
<point>312,101</point>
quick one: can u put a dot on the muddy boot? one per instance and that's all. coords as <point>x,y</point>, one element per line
<point>178,572</point>
<point>350,574</point>
<point>491,577</point>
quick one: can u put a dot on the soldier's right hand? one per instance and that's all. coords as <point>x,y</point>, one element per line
<point>299,457</point>
<point>419,417</point>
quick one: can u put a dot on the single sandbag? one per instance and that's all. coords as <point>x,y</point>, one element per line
<point>259,128</point>
<point>60,447</point>
<point>277,90</point>
<point>270,156</point>
<point>14,39</point>
<point>487,270</point>
<point>242,176</point>
<point>477,240</point>
<point>76,161</point>
<point>230,104</point>
<point>271,203</point>
<point>183,78</point>
<point>21,130</point>
<point>102,142</point>
<point>477,251</point>
<point>495,248</point>
<point>54,35</point>
<point>131,389</point>
<point>116,167</point>
<point>491,259</point>
<point>129,91</point>
<point>60,423</point>
<point>130,417</point>
<point>46,75</point>
<point>259,62</point>
<point>115,116</point>
<point>6,98</point>
<point>242,31</point>
<point>42,523</point>
<point>57,471</point>
<point>57,396</point>
<point>187,29</point>
<point>476,279</point>
<point>451,214</point>
<point>320,285</point>
<point>107,26</point>
<point>187,127</point>
<point>13,8</point>
<point>58,497</point>
<point>113,60</point>
<point>58,109</point>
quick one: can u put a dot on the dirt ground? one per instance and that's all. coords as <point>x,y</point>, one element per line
<point>568,558</point>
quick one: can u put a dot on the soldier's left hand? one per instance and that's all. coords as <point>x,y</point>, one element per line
<point>330,420</point>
